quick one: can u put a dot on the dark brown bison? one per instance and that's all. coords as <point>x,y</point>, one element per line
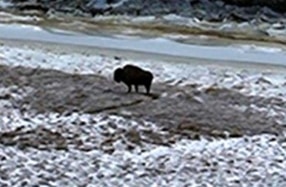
<point>133,75</point>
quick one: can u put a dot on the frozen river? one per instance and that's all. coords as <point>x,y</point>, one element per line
<point>250,52</point>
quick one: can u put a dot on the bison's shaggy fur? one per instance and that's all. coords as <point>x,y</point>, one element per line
<point>133,75</point>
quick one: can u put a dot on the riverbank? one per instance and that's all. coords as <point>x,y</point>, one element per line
<point>178,28</point>
<point>214,10</point>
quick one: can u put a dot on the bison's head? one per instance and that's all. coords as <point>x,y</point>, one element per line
<point>118,75</point>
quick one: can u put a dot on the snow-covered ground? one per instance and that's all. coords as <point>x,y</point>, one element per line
<point>108,150</point>
<point>268,81</point>
<point>247,161</point>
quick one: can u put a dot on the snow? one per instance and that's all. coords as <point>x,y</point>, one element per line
<point>252,48</point>
<point>226,159</point>
<point>264,82</point>
<point>5,4</point>
<point>258,160</point>
<point>247,161</point>
<point>6,17</point>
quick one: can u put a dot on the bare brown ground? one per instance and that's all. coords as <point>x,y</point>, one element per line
<point>185,110</point>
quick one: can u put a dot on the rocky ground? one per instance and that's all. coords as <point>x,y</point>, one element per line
<point>211,10</point>
<point>64,122</point>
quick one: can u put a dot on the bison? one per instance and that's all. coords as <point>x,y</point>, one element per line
<point>133,75</point>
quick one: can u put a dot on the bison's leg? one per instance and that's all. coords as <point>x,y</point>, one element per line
<point>136,88</point>
<point>129,88</point>
<point>147,86</point>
